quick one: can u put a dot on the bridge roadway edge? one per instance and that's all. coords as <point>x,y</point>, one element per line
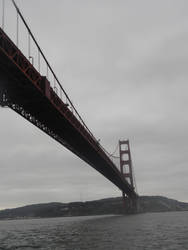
<point>22,92</point>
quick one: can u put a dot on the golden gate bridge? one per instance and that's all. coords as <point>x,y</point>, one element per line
<point>30,87</point>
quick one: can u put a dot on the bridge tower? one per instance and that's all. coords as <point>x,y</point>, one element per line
<point>26,88</point>
<point>126,170</point>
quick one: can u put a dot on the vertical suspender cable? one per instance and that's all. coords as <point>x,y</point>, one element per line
<point>50,68</point>
<point>29,45</point>
<point>17,29</point>
<point>39,60</point>
<point>54,84</point>
<point>3,13</point>
<point>60,91</point>
<point>47,72</point>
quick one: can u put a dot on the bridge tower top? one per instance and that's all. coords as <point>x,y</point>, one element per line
<point>126,167</point>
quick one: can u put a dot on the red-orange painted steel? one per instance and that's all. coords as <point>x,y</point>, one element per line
<point>126,165</point>
<point>30,95</point>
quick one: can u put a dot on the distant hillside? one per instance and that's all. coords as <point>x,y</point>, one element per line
<point>161,204</point>
<point>98,207</point>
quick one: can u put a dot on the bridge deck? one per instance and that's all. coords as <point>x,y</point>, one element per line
<point>30,94</point>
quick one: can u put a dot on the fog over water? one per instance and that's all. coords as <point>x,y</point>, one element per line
<point>124,65</point>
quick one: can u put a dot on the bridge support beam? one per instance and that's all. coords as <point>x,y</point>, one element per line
<point>133,206</point>
<point>131,203</point>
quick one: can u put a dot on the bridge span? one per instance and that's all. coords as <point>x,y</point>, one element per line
<point>30,94</point>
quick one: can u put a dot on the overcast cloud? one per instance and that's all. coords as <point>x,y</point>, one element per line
<point>124,65</point>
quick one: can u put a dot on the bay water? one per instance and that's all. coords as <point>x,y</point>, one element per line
<point>150,231</point>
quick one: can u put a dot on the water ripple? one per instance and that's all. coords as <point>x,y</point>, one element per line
<point>139,232</point>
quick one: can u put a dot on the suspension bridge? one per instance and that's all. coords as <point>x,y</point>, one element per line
<point>30,87</point>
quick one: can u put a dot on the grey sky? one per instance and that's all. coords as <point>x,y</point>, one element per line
<point>124,65</point>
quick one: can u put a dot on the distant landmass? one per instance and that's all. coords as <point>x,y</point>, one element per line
<point>98,207</point>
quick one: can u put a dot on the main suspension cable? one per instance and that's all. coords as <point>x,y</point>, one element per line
<point>113,153</point>
<point>49,66</point>
<point>30,35</point>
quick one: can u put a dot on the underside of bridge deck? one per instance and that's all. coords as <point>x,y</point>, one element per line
<point>29,94</point>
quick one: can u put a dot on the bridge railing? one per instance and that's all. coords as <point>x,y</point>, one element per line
<point>14,24</point>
